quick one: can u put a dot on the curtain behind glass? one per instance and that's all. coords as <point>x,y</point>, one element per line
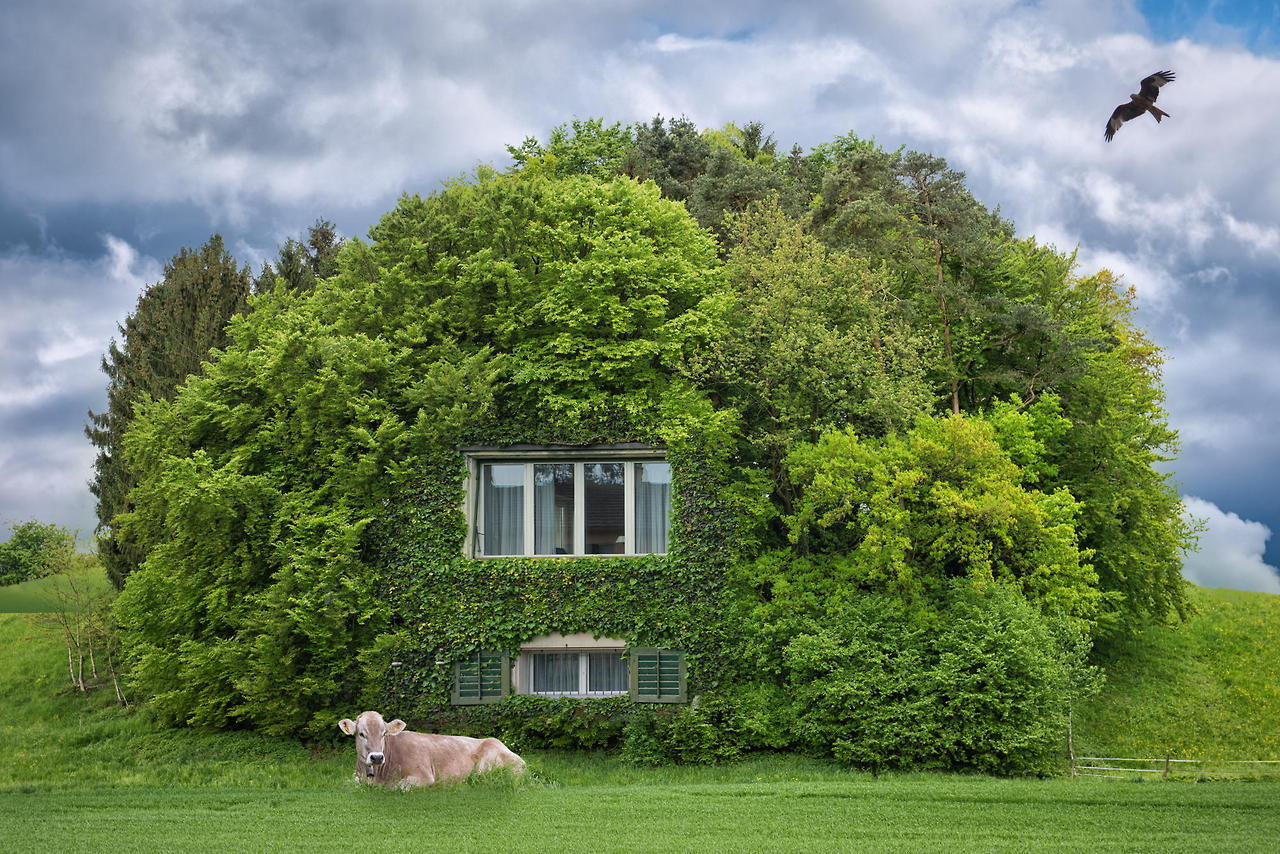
<point>553,509</point>
<point>554,672</point>
<point>653,507</point>
<point>607,672</point>
<point>503,485</point>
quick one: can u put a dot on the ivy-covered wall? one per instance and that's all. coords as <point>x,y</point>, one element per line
<point>448,605</point>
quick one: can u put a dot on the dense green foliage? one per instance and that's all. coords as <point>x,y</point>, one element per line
<point>34,549</point>
<point>894,431</point>
<point>944,500</point>
<point>974,682</point>
<point>299,265</point>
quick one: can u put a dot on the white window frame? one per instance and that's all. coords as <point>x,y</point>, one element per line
<point>580,458</point>
<point>579,644</point>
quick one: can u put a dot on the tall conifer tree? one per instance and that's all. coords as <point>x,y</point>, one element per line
<point>175,324</point>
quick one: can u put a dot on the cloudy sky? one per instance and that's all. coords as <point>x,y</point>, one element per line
<point>131,129</point>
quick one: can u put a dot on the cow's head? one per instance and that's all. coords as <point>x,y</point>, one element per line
<point>371,732</point>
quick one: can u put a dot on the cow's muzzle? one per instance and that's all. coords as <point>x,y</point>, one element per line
<point>376,758</point>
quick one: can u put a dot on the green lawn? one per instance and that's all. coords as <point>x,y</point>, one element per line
<point>911,813</point>
<point>80,774</point>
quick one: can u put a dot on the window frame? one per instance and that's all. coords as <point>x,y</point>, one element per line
<point>628,454</point>
<point>654,674</point>
<point>583,666</point>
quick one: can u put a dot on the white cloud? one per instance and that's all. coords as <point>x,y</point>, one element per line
<point>674,43</point>
<point>1230,552</point>
<point>57,316</point>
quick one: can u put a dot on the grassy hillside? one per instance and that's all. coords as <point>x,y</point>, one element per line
<point>1206,689</point>
<point>50,594</point>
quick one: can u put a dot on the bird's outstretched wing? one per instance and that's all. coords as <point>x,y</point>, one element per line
<point>1152,83</point>
<point>1122,114</point>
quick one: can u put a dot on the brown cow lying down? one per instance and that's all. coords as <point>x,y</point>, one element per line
<point>389,754</point>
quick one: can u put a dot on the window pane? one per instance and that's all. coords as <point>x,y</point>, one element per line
<point>607,671</point>
<point>503,486</point>
<point>653,507</point>
<point>604,501</point>
<point>554,672</point>
<point>553,509</point>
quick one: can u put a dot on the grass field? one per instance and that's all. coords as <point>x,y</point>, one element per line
<point>80,774</point>
<point>45,594</point>
<point>927,813</point>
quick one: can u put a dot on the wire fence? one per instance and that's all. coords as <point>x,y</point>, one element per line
<point>1167,767</point>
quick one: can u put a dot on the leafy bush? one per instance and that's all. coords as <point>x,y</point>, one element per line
<point>718,728</point>
<point>531,723</point>
<point>945,500</point>
<point>971,680</point>
<point>35,549</point>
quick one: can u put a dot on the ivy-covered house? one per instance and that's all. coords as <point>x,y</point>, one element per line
<point>567,539</point>
<point>543,460</point>
<point>579,572</point>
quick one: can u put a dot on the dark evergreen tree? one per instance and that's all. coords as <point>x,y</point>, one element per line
<point>672,155</point>
<point>731,183</point>
<point>171,331</point>
<point>301,264</point>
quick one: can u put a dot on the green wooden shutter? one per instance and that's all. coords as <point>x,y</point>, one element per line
<point>657,675</point>
<point>481,677</point>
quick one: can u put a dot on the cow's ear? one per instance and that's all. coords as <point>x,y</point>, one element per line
<point>395,727</point>
<point>347,725</point>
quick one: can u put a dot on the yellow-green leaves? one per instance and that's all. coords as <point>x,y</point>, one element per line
<point>943,501</point>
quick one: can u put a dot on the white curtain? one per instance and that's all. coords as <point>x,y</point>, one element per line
<point>653,507</point>
<point>553,509</point>
<point>607,672</point>
<point>555,673</point>
<point>504,509</point>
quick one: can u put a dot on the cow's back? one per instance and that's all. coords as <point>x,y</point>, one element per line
<point>429,758</point>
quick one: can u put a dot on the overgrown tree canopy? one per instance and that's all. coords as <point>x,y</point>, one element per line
<point>505,299</point>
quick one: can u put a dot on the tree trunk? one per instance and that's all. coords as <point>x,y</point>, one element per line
<point>946,330</point>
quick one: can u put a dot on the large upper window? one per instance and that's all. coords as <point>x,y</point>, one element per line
<point>554,505</point>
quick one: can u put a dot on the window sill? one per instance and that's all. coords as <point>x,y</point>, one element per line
<point>564,557</point>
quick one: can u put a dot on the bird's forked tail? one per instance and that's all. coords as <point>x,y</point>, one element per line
<point>1158,113</point>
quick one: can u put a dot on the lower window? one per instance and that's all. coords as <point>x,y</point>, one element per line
<point>648,674</point>
<point>594,673</point>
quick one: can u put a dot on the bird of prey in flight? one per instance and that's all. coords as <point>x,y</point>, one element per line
<point>1143,102</point>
